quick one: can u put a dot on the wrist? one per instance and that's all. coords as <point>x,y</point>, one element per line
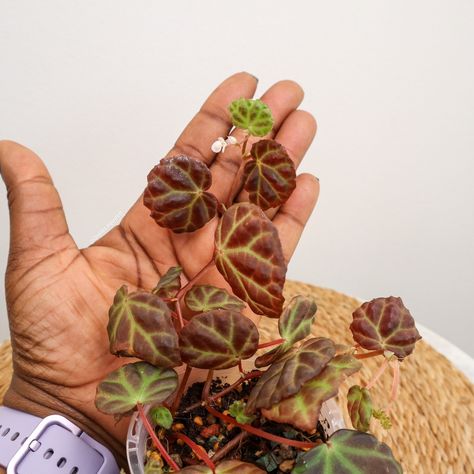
<point>37,400</point>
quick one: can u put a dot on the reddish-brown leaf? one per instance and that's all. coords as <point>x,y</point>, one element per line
<point>176,194</point>
<point>169,283</point>
<point>385,323</point>
<point>286,376</point>
<point>218,339</point>
<point>250,257</point>
<point>202,298</point>
<point>302,409</point>
<point>270,175</point>
<point>140,326</point>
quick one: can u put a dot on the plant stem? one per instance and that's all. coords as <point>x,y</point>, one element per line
<point>258,432</point>
<point>271,343</point>
<point>182,386</point>
<point>179,313</point>
<point>207,386</point>
<point>395,365</point>
<point>156,440</point>
<point>199,451</point>
<point>377,375</point>
<point>193,280</point>
<point>230,446</point>
<point>250,375</point>
<point>367,355</point>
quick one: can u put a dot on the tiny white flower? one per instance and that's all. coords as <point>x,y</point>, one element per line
<point>231,140</point>
<point>219,145</point>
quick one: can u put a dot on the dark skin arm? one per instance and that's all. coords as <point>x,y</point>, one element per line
<point>58,295</point>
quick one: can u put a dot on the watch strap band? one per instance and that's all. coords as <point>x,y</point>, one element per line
<point>31,445</point>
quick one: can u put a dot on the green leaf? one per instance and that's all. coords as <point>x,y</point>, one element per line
<point>161,416</point>
<point>201,298</point>
<point>270,176</point>
<point>302,409</point>
<point>218,339</point>
<point>359,406</point>
<point>176,194</point>
<point>286,376</point>
<point>237,410</point>
<point>250,257</point>
<point>153,467</point>
<point>140,382</point>
<point>169,284</point>
<point>252,115</point>
<point>294,325</point>
<point>383,418</point>
<point>385,323</point>
<point>225,467</point>
<point>349,452</point>
<point>140,326</point>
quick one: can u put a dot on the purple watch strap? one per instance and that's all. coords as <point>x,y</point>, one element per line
<point>30,445</point>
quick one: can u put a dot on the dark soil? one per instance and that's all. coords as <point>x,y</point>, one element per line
<point>212,434</point>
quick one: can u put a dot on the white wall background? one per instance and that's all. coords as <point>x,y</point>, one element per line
<point>101,89</point>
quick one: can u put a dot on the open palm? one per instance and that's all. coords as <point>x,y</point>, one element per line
<point>58,295</point>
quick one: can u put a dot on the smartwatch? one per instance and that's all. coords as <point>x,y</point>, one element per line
<point>52,445</point>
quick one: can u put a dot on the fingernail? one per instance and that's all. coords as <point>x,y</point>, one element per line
<point>255,77</point>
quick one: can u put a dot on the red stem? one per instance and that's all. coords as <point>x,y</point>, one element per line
<point>377,375</point>
<point>271,343</point>
<point>367,355</point>
<point>395,365</point>
<point>180,314</point>
<point>258,432</point>
<point>193,280</point>
<point>182,386</point>
<point>199,451</point>
<point>156,440</point>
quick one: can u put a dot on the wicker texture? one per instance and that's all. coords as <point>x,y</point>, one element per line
<point>433,416</point>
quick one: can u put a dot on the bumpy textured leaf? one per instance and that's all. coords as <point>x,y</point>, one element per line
<point>349,452</point>
<point>237,410</point>
<point>140,382</point>
<point>270,175</point>
<point>218,339</point>
<point>286,376</point>
<point>302,409</point>
<point>385,323</point>
<point>225,467</point>
<point>250,257</point>
<point>201,298</point>
<point>161,416</point>
<point>176,194</point>
<point>169,283</point>
<point>140,326</point>
<point>294,325</point>
<point>359,406</point>
<point>252,115</point>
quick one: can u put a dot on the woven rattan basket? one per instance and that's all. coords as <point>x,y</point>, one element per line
<point>433,416</point>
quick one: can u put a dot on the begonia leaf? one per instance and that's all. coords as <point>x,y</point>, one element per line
<point>169,284</point>
<point>201,298</point>
<point>385,323</point>
<point>286,376</point>
<point>140,326</point>
<point>250,257</point>
<point>302,409</point>
<point>269,176</point>
<point>176,194</point>
<point>349,452</point>
<point>218,339</point>
<point>294,325</point>
<point>359,406</point>
<point>137,383</point>
<point>225,467</point>
<point>251,115</point>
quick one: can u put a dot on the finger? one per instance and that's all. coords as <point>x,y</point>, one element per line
<point>282,98</point>
<point>213,119</point>
<point>294,214</point>
<point>296,134</point>
<point>37,222</point>
<point>210,122</point>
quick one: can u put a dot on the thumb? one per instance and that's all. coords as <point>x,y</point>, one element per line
<point>38,225</point>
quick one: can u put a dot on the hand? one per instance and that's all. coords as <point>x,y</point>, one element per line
<point>58,295</point>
